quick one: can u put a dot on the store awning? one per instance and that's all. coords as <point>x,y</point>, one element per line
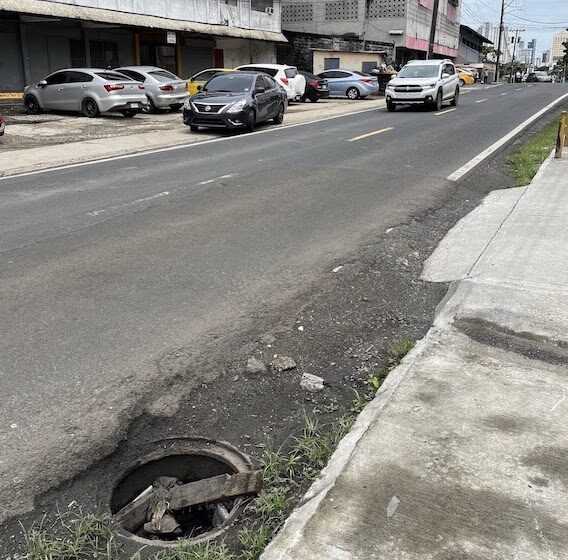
<point>71,11</point>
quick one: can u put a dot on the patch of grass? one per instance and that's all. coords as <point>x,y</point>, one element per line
<point>400,348</point>
<point>185,550</point>
<point>83,537</point>
<point>254,542</point>
<point>525,162</point>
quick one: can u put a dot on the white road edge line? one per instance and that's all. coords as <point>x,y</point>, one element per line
<point>184,146</point>
<point>481,100</point>
<point>465,169</point>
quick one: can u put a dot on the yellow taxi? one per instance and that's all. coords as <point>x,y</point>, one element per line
<point>202,77</point>
<point>466,78</point>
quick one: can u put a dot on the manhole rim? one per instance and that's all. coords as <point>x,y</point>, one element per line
<point>207,447</point>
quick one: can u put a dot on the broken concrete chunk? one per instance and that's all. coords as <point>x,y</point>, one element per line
<point>283,363</point>
<point>311,383</point>
<point>254,365</point>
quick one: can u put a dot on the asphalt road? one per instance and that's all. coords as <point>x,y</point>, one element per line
<point>115,276</point>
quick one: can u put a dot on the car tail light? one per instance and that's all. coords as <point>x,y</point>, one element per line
<point>367,80</point>
<point>285,81</point>
<point>314,84</point>
<point>141,86</point>
<point>167,88</point>
<point>113,87</point>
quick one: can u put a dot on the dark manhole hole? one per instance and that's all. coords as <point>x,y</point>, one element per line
<point>191,488</point>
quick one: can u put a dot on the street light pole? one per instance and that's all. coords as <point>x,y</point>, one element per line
<point>517,31</point>
<point>500,41</point>
<point>435,9</point>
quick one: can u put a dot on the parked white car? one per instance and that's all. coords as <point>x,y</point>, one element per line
<point>425,82</point>
<point>293,83</point>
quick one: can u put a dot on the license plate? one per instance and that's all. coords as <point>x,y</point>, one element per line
<point>134,105</point>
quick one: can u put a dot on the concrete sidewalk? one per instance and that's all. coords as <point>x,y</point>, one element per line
<point>463,453</point>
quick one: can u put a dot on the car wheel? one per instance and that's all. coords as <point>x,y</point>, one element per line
<point>454,101</point>
<point>129,113</point>
<point>193,128</point>
<point>31,105</point>
<point>251,122</point>
<point>150,107</point>
<point>314,98</point>
<point>90,108</point>
<point>353,93</point>
<point>279,118</point>
<point>176,107</point>
<point>391,107</point>
<point>439,100</point>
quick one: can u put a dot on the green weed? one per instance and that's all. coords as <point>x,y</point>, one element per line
<point>525,162</point>
<point>254,542</point>
<point>400,348</point>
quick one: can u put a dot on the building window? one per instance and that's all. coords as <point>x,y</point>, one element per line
<point>262,5</point>
<point>230,2</point>
<point>368,66</point>
<point>330,63</point>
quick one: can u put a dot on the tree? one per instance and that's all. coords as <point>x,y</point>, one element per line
<point>489,54</point>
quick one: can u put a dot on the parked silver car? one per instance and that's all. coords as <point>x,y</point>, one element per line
<point>89,90</point>
<point>163,89</point>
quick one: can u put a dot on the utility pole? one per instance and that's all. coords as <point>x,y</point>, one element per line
<point>433,29</point>
<point>500,41</point>
<point>516,40</point>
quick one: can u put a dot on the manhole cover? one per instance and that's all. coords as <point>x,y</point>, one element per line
<point>191,488</point>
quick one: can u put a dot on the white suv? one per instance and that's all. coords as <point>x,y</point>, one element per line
<point>429,82</point>
<point>293,83</point>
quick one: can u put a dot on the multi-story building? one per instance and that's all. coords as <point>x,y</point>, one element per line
<point>40,36</point>
<point>402,25</point>
<point>558,41</point>
<point>492,33</point>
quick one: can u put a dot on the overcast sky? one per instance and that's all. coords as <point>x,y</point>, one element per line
<point>541,19</point>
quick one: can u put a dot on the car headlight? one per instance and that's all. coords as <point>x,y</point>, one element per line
<point>431,85</point>
<point>237,106</point>
<point>188,104</point>
<point>389,86</point>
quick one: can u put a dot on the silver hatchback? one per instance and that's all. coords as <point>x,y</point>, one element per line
<point>89,90</point>
<point>163,89</point>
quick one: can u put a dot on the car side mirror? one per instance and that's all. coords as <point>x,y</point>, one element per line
<point>259,90</point>
<point>199,88</point>
<point>445,75</point>
<point>43,83</point>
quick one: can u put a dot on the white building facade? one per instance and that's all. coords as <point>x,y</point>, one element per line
<point>40,36</point>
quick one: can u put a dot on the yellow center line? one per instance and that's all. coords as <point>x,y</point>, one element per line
<point>446,111</point>
<point>374,133</point>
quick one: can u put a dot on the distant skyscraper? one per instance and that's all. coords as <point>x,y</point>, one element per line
<point>492,32</point>
<point>557,50</point>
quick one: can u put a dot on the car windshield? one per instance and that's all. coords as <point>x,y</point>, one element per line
<point>541,74</point>
<point>422,71</point>
<point>229,83</point>
<point>163,75</point>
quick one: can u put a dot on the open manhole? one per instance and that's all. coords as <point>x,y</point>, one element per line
<point>190,488</point>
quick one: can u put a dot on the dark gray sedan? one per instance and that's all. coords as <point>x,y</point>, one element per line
<point>236,100</point>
